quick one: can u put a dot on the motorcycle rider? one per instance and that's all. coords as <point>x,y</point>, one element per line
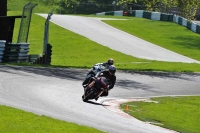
<point>107,64</point>
<point>111,78</point>
<point>93,72</point>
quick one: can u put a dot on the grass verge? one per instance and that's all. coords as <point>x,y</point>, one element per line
<point>18,5</point>
<point>17,121</point>
<point>73,50</point>
<point>177,113</point>
<point>169,35</point>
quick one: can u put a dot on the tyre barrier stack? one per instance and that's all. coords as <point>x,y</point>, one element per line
<point>34,58</point>
<point>2,48</point>
<point>156,16</point>
<point>139,13</point>
<point>130,13</point>
<point>166,17</point>
<point>146,15</point>
<point>190,25</point>
<point>198,29</point>
<point>118,13</point>
<point>16,52</point>
<point>112,13</point>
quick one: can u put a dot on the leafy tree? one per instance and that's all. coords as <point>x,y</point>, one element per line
<point>169,4</point>
<point>159,5</point>
<point>85,6</point>
<point>188,8</point>
<point>119,2</point>
<point>153,5</point>
<point>125,2</point>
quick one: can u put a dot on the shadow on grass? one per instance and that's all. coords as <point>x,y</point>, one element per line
<point>188,42</point>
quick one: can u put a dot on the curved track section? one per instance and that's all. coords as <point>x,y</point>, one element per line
<point>57,93</point>
<point>96,30</point>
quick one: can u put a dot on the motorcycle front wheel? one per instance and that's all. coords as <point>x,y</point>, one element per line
<point>89,95</point>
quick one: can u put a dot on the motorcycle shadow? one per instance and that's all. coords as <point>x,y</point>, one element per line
<point>95,103</point>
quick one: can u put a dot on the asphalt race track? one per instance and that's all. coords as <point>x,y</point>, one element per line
<point>57,92</point>
<point>96,30</point>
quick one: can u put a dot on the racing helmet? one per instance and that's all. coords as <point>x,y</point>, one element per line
<point>112,69</point>
<point>110,61</point>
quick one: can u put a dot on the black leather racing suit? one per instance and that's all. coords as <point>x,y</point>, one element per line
<point>93,73</point>
<point>111,80</point>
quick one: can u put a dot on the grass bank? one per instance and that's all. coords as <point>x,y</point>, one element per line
<point>17,121</point>
<point>176,113</point>
<point>18,5</point>
<point>73,50</point>
<point>169,35</point>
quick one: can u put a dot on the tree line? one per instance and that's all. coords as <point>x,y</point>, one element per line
<point>82,6</point>
<point>184,8</point>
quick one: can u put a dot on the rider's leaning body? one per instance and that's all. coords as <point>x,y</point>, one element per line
<point>93,71</point>
<point>111,79</point>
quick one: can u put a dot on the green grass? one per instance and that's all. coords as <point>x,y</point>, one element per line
<point>73,50</point>
<point>177,113</point>
<point>18,5</point>
<point>169,35</point>
<point>17,121</point>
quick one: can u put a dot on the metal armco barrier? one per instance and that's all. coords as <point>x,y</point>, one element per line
<point>33,57</point>
<point>46,40</point>
<point>2,48</point>
<point>16,52</point>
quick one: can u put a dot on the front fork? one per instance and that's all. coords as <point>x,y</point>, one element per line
<point>100,93</point>
<point>89,86</point>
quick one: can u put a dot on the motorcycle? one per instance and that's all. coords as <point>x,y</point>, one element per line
<point>95,88</point>
<point>93,72</point>
<point>97,68</point>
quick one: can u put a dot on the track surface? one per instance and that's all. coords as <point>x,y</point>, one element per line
<point>96,30</point>
<point>57,93</point>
